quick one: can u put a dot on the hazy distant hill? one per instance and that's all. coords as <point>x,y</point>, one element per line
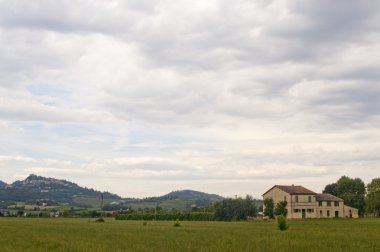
<point>190,194</point>
<point>187,199</point>
<point>2,184</point>
<point>179,200</point>
<point>36,189</point>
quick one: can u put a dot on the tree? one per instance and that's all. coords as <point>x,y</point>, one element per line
<point>269,208</point>
<point>352,191</point>
<point>331,189</point>
<point>235,209</point>
<point>282,223</point>
<point>281,208</point>
<point>373,196</point>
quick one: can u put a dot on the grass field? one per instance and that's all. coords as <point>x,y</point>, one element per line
<point>18,234</point>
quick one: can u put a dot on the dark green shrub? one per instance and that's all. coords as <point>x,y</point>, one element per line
<point>269,208</point>
<point>177,223</point>
<point>100,220</point>
<point>282,222</point>
<point>145,223</point>
<point>281,208</point>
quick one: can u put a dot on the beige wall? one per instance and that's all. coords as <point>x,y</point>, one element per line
<point>322,211</point>
<point>303,203</point>
<point>304,207</point>
<point>350,212</point>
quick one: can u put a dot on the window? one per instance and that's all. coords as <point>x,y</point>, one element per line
<point>309,198</point>
<point>296,210</point>
<point>319,203</point>
<point>336,203</point>
<point>328,203</point>
<point>296,198</point>
<point>310,210</point>
<point>328,213</point>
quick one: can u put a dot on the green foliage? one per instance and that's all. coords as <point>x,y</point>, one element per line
<point>177,223</point>
<point>331,189</point>
<point>235,209</point>
<point>145,223</point>
<point>269,208</point>
<point>100,220</point>
<point>352,191</point>
<point>373,196</point>
<point>281,208</point>
<point>282,222</point>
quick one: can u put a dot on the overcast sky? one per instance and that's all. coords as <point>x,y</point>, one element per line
<point>143,97</point>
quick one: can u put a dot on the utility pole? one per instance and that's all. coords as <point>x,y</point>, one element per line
<point>101,201</point>
<point>155,212</point>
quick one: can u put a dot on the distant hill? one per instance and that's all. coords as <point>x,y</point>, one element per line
<point>177,200</point>
<point>36,190</point>
<point>190,194</point>
<point>2,184</point>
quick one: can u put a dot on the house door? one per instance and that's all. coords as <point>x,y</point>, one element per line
<point>303,213</point>
<point>336,214</point>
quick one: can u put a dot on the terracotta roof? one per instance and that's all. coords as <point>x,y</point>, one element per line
<point>293,189</point>
<point>327,197</point>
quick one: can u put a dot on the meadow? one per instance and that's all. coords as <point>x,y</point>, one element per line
<point>24,234</point>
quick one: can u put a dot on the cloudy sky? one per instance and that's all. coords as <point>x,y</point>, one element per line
<point>142,97</point>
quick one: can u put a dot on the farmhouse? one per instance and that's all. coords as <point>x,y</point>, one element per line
<point>303,203</point>
<point>4,212</point>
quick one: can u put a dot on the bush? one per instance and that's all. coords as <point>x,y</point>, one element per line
<point>281,208</point>
<point>177,223</point>
<point>145,223</point>
<point>100,220</point>
<point>282,223</point>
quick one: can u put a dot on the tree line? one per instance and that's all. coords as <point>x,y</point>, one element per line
<point>226,210</point>
<point>356,194</point>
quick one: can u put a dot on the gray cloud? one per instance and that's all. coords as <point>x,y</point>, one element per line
<point>210,92</point>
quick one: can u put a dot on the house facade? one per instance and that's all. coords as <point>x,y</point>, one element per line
<point>303,203</point>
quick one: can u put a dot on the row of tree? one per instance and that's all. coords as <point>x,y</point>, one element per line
<point>356,194</point>
<point>226,210</point>
<point>271,210</point>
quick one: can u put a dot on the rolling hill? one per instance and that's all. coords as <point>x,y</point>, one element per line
<point>190,194</point>
<point>176,200</point>
<point>38,190</point>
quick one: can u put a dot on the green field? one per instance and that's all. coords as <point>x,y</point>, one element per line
<point>19,234</point>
